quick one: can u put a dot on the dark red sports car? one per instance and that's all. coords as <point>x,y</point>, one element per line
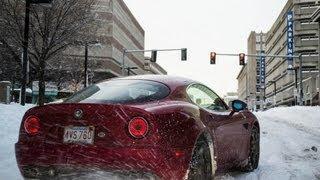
<point>155,126</point>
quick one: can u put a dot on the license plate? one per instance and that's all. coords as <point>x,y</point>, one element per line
<point>78,135</point>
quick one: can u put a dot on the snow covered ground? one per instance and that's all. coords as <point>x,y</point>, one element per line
<point>288,136</point>
<point>10,118</point>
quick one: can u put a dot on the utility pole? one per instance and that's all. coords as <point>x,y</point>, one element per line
<point>318,64</point>
<point>86,65</point>
<point>275,91</point>
<point>123,68</point>
<point>301,80</point>
<point>25,46</point>
<point>25,54</point>
<point>247,90</point>
<point>130,69</point>
<point>262,94</point>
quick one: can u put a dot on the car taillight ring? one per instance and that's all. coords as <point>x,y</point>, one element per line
<point>32,125</point>
<point>138,127</point>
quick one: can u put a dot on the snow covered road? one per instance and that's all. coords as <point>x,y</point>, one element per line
<point>287,136</point>
<point>290,144</point>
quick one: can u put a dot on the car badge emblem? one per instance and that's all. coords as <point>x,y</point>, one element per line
<point>101,134</point>
<point>78,114</point>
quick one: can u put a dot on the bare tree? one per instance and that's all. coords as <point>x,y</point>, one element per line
<point>71,71</point>
<point>52,29</point>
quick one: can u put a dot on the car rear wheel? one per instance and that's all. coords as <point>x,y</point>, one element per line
<point>253,159</point>
<point>200,165</point>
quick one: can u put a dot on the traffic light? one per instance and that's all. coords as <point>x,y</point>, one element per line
<point>242,58</point>
<point>213,58</point>
<point>184,54</point>
<point>154,56</point>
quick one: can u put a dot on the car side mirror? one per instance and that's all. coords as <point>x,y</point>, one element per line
<point>238,106</point>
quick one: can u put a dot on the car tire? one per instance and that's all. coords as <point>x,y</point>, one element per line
<point>254,154</point>
<point>200,165</point>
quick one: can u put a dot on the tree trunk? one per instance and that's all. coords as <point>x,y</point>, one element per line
<point>41,98</point>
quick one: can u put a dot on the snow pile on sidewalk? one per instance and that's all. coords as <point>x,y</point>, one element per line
<point>300,117</point>
<point>10,119</point>
<point>290,145</point>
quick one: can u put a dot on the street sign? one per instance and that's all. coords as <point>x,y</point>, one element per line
<point>262,71</point>
<point>40,1</point>
<point>290,37</point>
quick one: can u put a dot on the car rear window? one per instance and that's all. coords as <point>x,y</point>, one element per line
<point>121,91</point>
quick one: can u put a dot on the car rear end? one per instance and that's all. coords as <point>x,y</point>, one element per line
<point>68,138</point>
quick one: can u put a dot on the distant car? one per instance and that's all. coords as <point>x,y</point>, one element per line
<point>161,126</point>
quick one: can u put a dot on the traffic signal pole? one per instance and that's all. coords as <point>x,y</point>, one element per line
<point>126,51</point>
<point>25,54</point>
<point>85,65</point>
<point>25,47</point>
<point>277,56</point>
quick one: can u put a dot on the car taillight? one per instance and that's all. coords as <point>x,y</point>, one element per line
<point>138,127</point>
<point>32,125</point>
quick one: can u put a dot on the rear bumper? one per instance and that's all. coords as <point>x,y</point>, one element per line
<point>42,160</point>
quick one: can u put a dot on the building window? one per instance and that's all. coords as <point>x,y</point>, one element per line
<point>258,98</point>
<point>307,22</point>
<point>309,38</point>
<point>308,6</point>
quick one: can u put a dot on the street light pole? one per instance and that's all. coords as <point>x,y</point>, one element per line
<point>319,63</point>
<point>295,69</point>
<point>275,91</point>
<point>130,69</point>
<point>25,47</point>
<point>296,83</point>
<point>25,54</point>
<point>123,68</point>
<point>86,65</point>
<point>301,80</point>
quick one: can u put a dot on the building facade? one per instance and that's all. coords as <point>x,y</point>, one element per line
<point>118,29</point>
<point>249,81</point>
<point>281,82</point>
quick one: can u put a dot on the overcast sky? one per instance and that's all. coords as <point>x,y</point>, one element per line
<point>202,26</point>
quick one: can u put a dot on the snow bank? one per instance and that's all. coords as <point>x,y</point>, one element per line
<point>299,117</point>
<point>10,118</point>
